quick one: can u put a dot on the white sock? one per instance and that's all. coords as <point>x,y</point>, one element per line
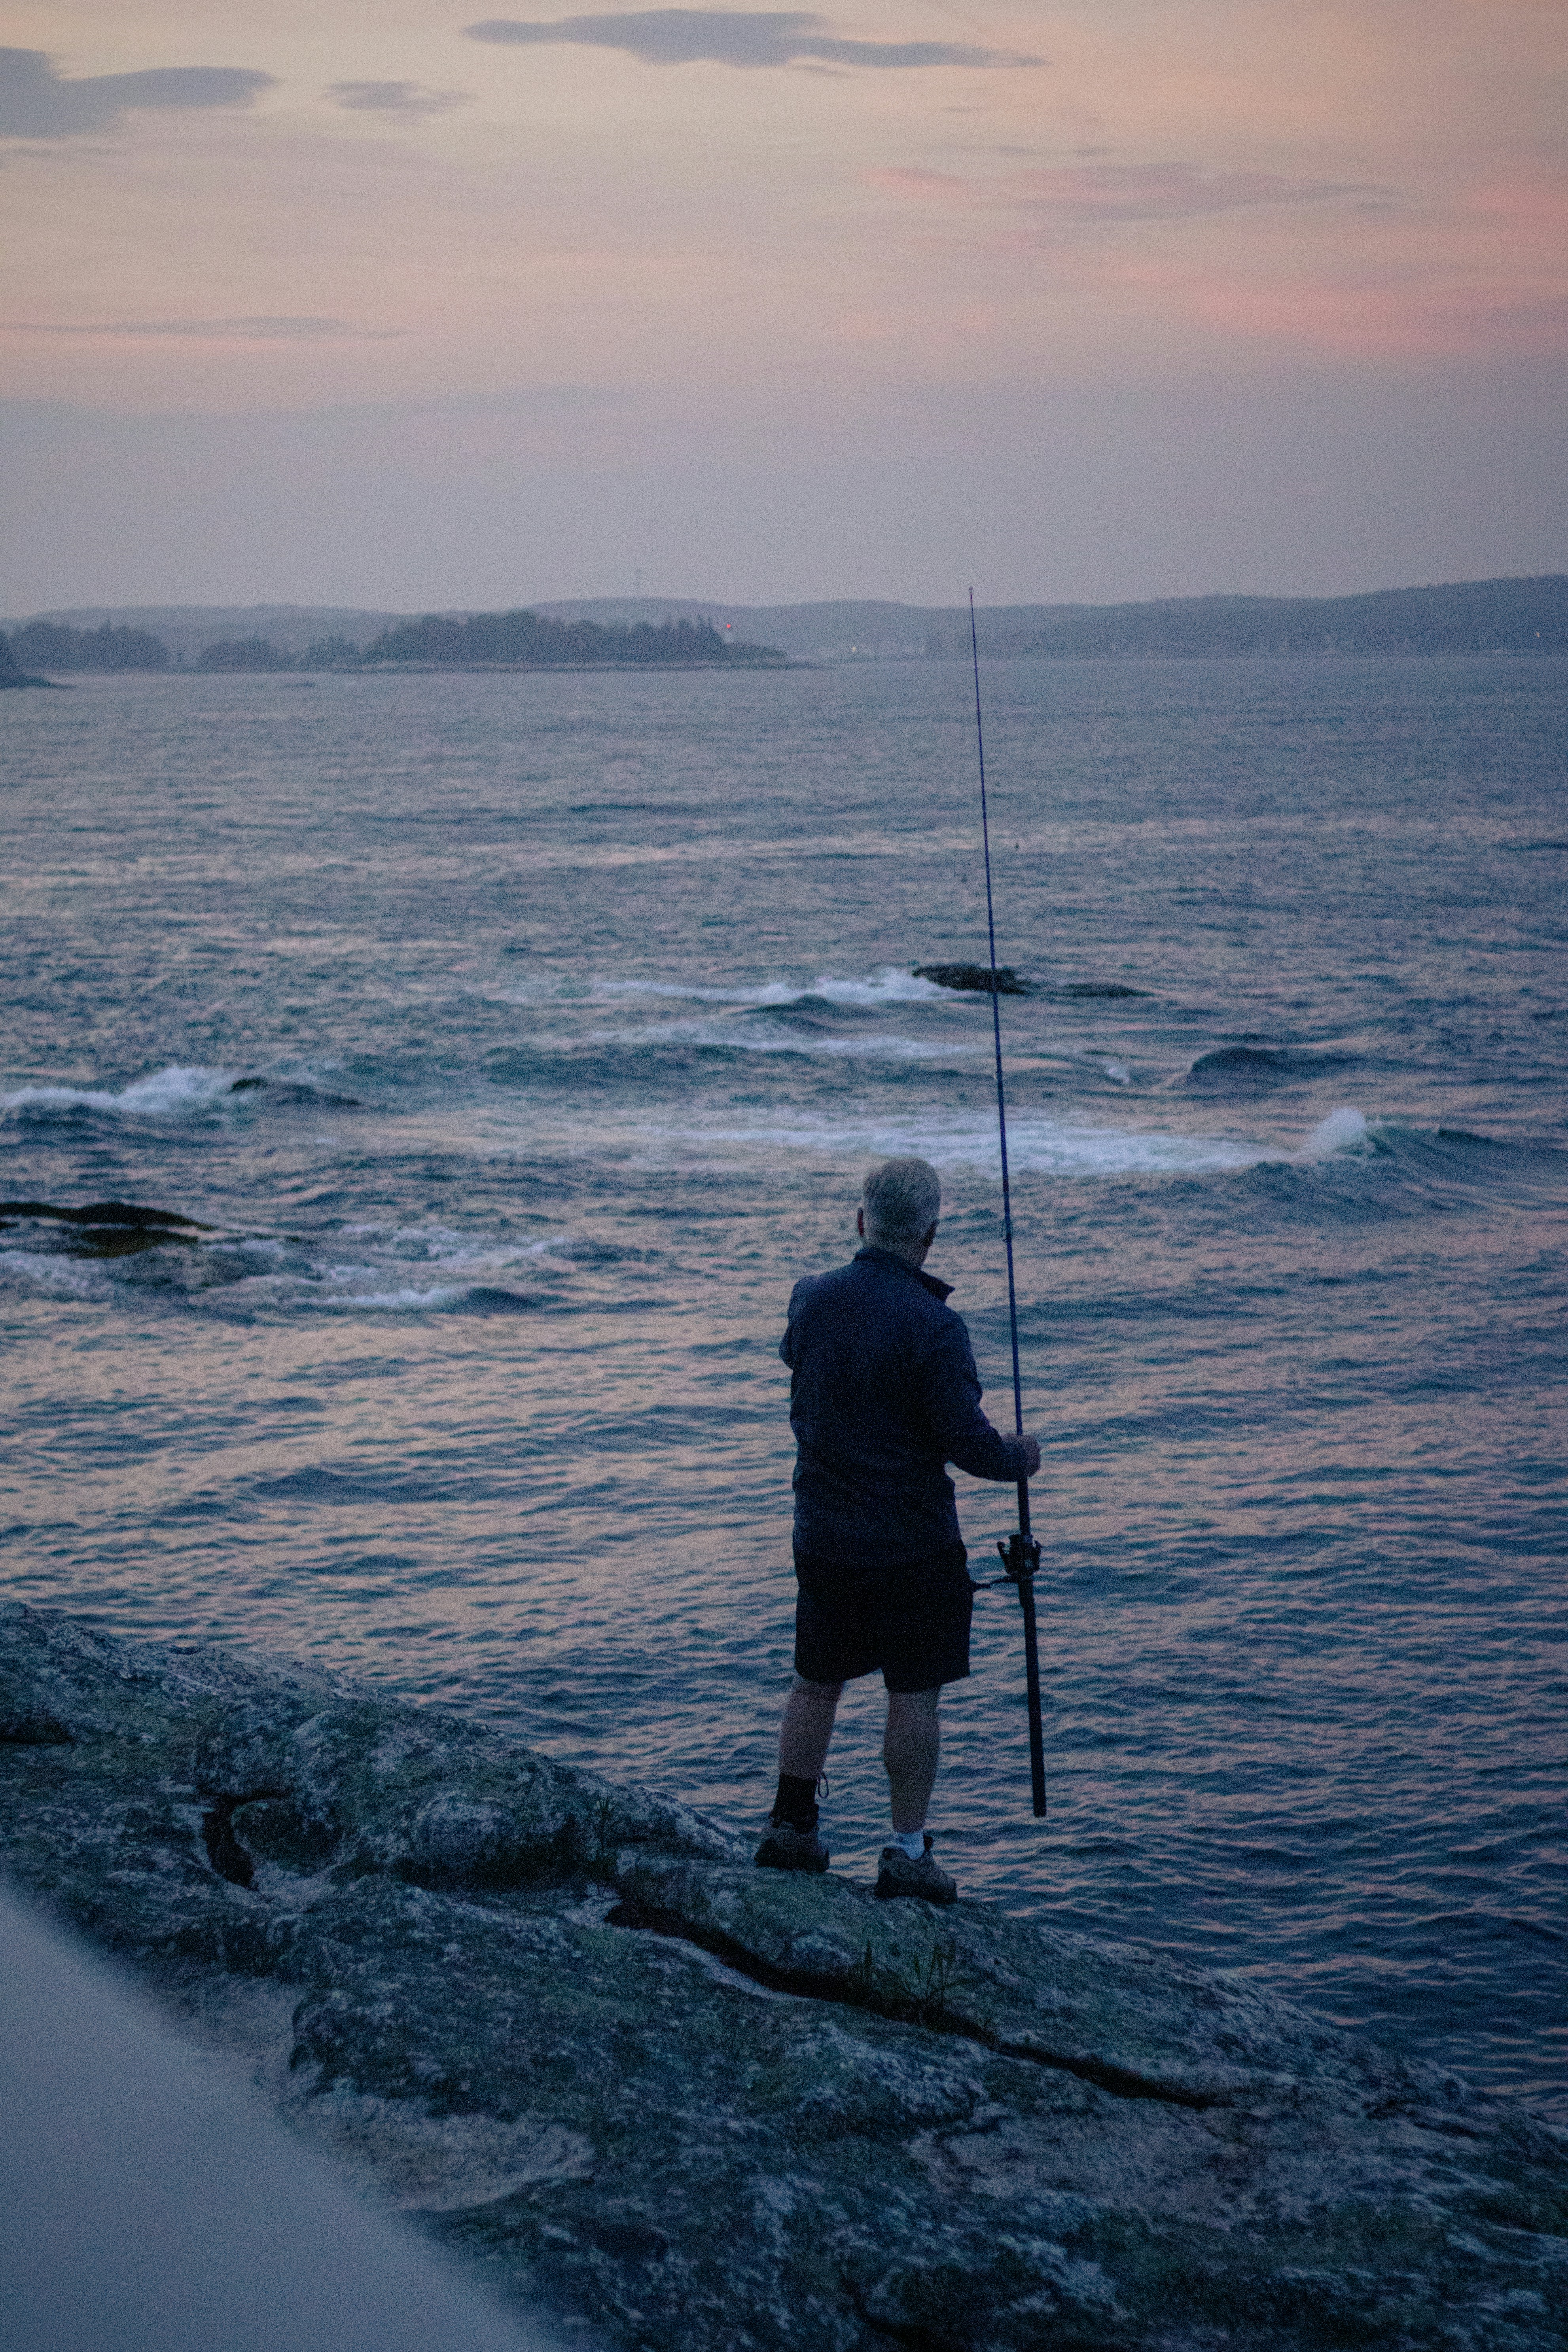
<point>913,1841</point>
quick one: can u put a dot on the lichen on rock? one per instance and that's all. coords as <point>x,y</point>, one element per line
<point>696,2105</point>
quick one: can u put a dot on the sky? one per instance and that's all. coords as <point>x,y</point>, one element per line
<point>392,306</point>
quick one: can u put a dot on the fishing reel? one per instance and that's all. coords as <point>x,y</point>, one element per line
<point>1020,1557</point>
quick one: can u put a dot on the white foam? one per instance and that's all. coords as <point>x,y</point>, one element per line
<point>377,1288</point>
<point>442,1245</point>
<point>55,1273</point>
<point>1036,1145</point>
<point>892,985</point>
<point>163,1093</point>
<point>400,1301</point>
<point>337,1290</point>
<point>1344,1129</point>
<point>465,1249</point>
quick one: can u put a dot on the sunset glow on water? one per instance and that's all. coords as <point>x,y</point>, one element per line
<point>515,1043</point>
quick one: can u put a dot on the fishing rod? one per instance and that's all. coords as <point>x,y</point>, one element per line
<point>1020,1551</point>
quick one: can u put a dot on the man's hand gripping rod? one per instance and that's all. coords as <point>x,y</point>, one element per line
<point>1020,1551</point>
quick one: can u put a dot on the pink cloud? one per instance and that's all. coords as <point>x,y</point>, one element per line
<point>1107,193</point>
<point>1429,321</point>
<point>1422,292</point>
<point>1476,272</point>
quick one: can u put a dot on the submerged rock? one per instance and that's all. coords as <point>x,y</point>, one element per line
<point>105,1228</point>
<point>693,2105</point>
<point>1003,982</point>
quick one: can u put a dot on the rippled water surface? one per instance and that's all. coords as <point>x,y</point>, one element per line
<point>513,1042</point>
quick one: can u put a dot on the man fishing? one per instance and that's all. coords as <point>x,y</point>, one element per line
<point>883,1394</point>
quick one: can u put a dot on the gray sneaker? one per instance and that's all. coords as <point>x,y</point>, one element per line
<point>783,1848</point>
<point>900,1875</point>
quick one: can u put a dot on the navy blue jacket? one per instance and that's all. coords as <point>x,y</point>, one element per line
<point>883,1393</point>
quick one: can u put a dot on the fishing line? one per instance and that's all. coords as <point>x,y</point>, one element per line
<point>1020,1552</point>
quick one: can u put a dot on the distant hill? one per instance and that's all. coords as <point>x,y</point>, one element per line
<point>1469,616</point>
<point>1465,616</point>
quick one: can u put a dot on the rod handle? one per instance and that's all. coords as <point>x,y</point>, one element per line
<point>1032,1675</point>
<point>1020,1557</point>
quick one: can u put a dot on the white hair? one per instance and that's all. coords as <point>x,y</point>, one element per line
<point>902,1200</point>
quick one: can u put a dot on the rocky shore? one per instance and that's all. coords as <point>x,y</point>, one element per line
<point>676,2102</point>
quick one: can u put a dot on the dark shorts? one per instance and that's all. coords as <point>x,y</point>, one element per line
<point>912,1620</point>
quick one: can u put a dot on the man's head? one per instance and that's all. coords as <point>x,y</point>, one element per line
<point>900,1202</point>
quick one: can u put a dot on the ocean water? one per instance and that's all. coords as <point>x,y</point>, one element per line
<point>514,1042</point>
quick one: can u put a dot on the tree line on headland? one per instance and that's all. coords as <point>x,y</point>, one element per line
<point>518,640</point>
<point>527,640</point>
<point>47,645</point>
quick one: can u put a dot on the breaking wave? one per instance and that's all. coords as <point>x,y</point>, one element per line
<point>164,1094</point>
<point>179,1090</point>
<point>892,984</point>
<point>1344,1129</point>
<point>1036,1145</point>
<point>62,1277</point>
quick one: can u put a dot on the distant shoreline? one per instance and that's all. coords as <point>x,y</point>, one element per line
<point>524,669</point>
<point>1484,617</point>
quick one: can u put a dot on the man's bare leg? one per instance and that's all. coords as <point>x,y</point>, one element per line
<point>909,1751</point>
<point>807,1728</point>
<point>791,1840</point>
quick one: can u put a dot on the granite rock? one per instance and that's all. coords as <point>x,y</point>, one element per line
<point>682,2103</point>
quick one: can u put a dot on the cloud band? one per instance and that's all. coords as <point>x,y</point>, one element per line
<point>682,36</point>
<point>36,102</point>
